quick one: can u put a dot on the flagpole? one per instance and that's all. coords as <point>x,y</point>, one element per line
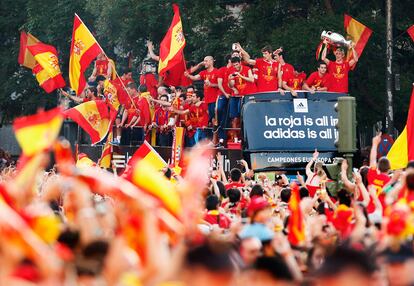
<point>116,73</point>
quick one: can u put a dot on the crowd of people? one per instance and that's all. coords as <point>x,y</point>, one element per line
<point>86,226</point>
<point>162,103</point>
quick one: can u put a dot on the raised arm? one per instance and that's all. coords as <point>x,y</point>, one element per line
<point>150,47</point>
<point>355,57</point>
<point>373,154</point>
<point>308,167</point>
<point>245,56</point>
<point>324,52</point>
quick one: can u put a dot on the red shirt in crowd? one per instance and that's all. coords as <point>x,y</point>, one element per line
<point>296,81</point>
<point>244,87</point>
<point>234,185</point>
<point>224,73</point>
<point>339,76</point>
<point>316,80</point>
<point>378,180</point>
<point>210,93</point>
<point>214,217</point>
<point>151,83</point>
<point>266,75</point>
<point>102,67</point>
<point>161,116</point>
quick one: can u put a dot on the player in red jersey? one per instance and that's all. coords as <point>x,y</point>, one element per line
<point>241,81</point>
<point>294,81</point>
<point>339,69</point>
<point>267,69</point>
<point>211,91</point>
<point>318,80</point>
<point>285,70</point>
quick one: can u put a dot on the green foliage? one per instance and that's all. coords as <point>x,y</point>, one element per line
<point>210,27</point>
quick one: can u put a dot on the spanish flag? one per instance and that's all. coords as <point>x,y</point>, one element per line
<point>111,94</point>
<point>36,133</point>
<point>84,161</point>
<point>26,58</point>
<point>296,224</point>
<point>47,69</point>
<point>177,150</point>
<point>146,176</point>
<point>95,117</point>
<point>106,157</point>
<point>410,32</point>
<point>83,50</point>
<point>147,153</point>
<point>171,48</point>
<point>402,150</point>
<point>358,33</point>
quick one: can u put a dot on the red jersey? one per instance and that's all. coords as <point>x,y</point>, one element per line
<point>339,76</point>
<point>214,217</point>
<point>234,186</point>
<point>122,94</point>
<point>210,93</point>
<point>296,81</point>
<point>151,82</point>
<point>378,180</point>
<point>144,111</point>
<point>244,87</point>
<point>316,80</point>
<point>224,73</point>
<point>198,116</point>
<point>266,75</point>
<point>287,71</point>
<point>102,67</point>
<point>161,116</point>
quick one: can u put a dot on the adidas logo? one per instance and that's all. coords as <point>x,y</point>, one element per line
<point>301,105</point>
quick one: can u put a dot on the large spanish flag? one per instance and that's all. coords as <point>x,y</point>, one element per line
<point>36,133</point>
<point>83,50</point>
<point>410,32</point>
<point>402,150</point>
<point>145,173</point>
<point>26,58</point>
<point>95,117</point>
<point>171,48</point>
<point>296,224</point>
<point>47,69</point>
<point>358,33</point>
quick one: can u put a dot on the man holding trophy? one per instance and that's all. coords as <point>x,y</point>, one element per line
<point>339,68</point>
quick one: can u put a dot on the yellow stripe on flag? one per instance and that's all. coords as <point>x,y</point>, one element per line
<point>398,154</point>
<point>151,180</point>
<point>49,62</point>
<point>39,135</point>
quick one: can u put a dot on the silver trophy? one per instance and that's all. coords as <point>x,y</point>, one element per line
<point>335,39</point>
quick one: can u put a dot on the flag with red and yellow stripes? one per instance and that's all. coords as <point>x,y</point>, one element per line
<point>36,133</point>
<point>83,50</point>
<point>144,174</point>
<point>177,150</point>
<point>47,69</point>
<point>171,48</point>
<point>402,151</point>
<point>106,156</point>
<point>358,33</point>
<point>296,224</point>
<point>26,58</point>
<point>95,117</point>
